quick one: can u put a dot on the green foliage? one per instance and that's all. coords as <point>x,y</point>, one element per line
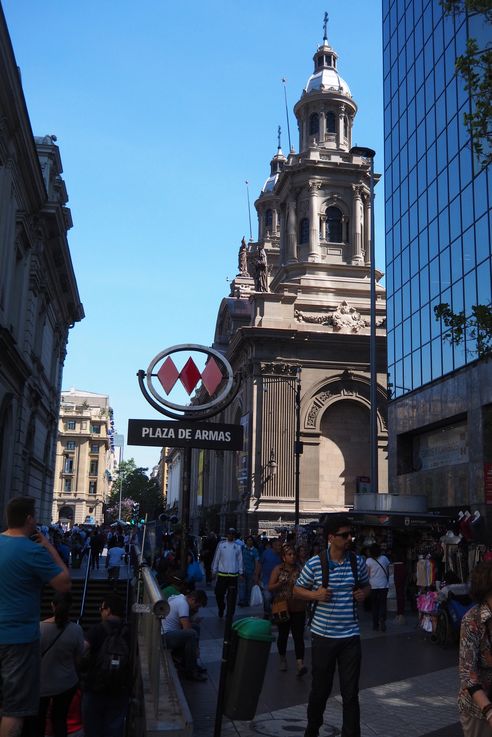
<point>476,327</point>
<point>136,486</point>
<point>475,67</point>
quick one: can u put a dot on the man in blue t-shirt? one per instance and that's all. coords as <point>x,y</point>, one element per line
<point>335,626</point>
<point>268,561</point>
<point>27,562</point>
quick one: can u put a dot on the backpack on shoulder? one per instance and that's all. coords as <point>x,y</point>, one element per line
<point>325,576</point>
<point>111,669</point>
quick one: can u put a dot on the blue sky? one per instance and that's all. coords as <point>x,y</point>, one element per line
<point>162,111</point>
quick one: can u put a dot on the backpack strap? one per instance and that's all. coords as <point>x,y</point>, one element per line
<point>325,576</point>
<point>354,566</point>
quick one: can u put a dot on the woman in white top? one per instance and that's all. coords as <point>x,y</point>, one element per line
<point>61,646</point>
<point>378,567</point>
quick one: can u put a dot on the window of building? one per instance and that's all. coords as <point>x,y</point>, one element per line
<point>92,487</point>
<point>68,465</point>
<point>304,231</point>
<point>330,123</point>
<point>71,444</point>
<point>345,126</point>
<point>93,468</point>
<point>94,447</point>
<point>334,225</point>
<point>70,425</point>
<point>314,124</point>
<point>96,429</point>
<point>67,486</point>
<point>268,219</point>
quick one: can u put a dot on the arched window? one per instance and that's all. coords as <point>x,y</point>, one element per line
<point>314,124</point>
<point>304,231</point>
<point>345,126</point>
<point>330,123</point>
<point>334,232</point>
<point>268,219</point>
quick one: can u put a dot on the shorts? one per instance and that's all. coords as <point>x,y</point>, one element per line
<point>19,679</point>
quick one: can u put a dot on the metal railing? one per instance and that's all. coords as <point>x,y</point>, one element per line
<point>86,583</point>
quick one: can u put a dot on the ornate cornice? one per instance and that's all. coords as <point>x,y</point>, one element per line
<point>277,369</point>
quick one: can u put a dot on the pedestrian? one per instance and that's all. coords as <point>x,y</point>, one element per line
<point>251,567</point>
<point>281,585</point>
<point>25,566</point>
<point>96,543</point>
<point>335,581</point>
<point>114,559</point>
<point>62,645</point>
<point>378,567</point>
<point>182,635</point>
<point>107,682</point>
<point>475,658</point>
<point>270,558</point>
<point>227,566</point>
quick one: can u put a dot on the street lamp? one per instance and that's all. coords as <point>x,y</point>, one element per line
<point>368,153</point>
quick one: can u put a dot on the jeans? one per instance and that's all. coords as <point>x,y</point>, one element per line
<point>267,601</point>
<point>326,654</point>
<point>294,624</point>
<point>245,587</point>
<point>226,585</point>
<point>103,714</point>
<point>187,641</point>
<point>378,598</point>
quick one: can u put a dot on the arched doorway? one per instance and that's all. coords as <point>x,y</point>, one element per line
<point>344,450</point>
<point>66,514</point>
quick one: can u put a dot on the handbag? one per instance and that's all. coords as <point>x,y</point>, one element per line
<point>280,611</point>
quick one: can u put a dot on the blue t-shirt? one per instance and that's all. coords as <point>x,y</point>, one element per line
<point>269,560</point>
<point>250,556</point>
<point>24,567</point>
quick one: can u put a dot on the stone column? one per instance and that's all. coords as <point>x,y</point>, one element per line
<point>291,251</point>
<point>356,228</point>
<point>283,235</point>
<point>340,137</point>
<point>314,247</point>
<point>322,127</point>
<point>367,229</point>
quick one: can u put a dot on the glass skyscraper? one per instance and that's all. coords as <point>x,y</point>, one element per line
<point>438,232</point>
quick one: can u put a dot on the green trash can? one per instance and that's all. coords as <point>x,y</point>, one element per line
<point>250,647</point>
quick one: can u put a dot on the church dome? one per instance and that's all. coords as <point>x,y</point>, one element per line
<point>327,79</point>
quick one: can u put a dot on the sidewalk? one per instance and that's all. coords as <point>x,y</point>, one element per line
<point>408,686</point>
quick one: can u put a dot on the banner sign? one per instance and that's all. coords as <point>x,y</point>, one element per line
<point>180,434</point>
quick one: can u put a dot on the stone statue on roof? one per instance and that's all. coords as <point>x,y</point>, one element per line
<point>243,259</point>
<point>261,270</point>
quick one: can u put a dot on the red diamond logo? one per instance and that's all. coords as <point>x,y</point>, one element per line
<point>168,374</point>
<point>190,375</point>
<point>211,376</point>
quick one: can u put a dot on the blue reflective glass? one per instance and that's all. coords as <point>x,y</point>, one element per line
<point>452,131</point>
<point>432,200</point>
<point>396,238</point>
<point>415,291</point>
<point>406,305</point>
<point>480,194</point>
<point>460,34</point>
<point>397,272</point>
<point>414,257</point>
<point>422,204</point>
<point>430,124</point>
<point>482,239</point>
<point>447,356</point>
<point>398,388</point>
<point>411,82</point>
<point>396,169</point>
<point>428,24</point>
<point>449,62</point>
<point>405,265</point>
<point>454,218</point>
<point>397,310</point>
<point>451,100</point>
<point>442,155</point>
<point>456,260</point>
<point>404,194</point>
<point>423,247</point>
<point>424,285</point>
<point>436,325</point>
<point>448,28</point>
<point>387,149</point>
<point>396,205</point>
<point>421,139</point>
<point>386,59</point>
<point>394,77</point>
<point>393,49</point>
<point>409,18</point>
<point>413,220</point>
<point>398,341</point>
<point>426,364</point>
<point>412,186</point>
<point>390,317</point>
<point>435,282</point>
<point>436,358</point>
<point>470,283</point>
<point>445,268</point>
<point>441,113</point>
<point>465,166</point>
<point>425,323</point>
<point>484,283</point>
<point>438,30</point>
<point>402,64</point>
<point>433,239</point>
<point>467,207</point>
<point>407,373</point>
<point>389,279</point>
<point>454,177</point>
<point>387,118</point>
<point>431,163</point>
<point>404,229</point>
<point>429,63</point>
<point>430,95</point>
<point>442,189</point>
<point>395,111</point>
<point>389,211</point>
<point>444,228</point>
<point>419,72</point>
<point>416,369</point>
<point>415,330</point>
<point>439,77</point>
<point>418,36</point>
<point>463,134</point>
<point>469,249</point>
<point>392,17</point>
<point>479,29</point>
<point>387,89</point>
<point>457,292</point>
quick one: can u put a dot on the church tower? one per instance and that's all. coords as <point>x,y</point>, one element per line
<point>300,336</point>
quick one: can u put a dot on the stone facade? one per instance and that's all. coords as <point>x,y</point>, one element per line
<point>85,455</point>
<point>309,325</point>
<point>39,299</point>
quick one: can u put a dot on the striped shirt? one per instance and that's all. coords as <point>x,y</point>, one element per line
<point>337,617</point>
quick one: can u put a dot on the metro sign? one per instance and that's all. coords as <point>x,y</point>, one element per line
<point>175,367</point>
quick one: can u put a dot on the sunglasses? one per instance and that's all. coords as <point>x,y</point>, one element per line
<point>345,535</point>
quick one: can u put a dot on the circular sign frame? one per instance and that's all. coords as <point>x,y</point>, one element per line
<point>189,411</point>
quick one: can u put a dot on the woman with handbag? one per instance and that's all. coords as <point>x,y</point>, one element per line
<point>287,612</point>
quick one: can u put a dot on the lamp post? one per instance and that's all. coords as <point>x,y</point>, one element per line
<point>368,153</point>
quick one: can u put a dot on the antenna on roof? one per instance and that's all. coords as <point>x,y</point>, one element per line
<point>284,82</point>
<point>249,210</point>
<point>325,27</point>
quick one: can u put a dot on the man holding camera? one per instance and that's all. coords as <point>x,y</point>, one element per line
<point>335,582</point>
<point>27,562</point>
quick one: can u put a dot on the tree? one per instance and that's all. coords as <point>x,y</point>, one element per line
<point>475,67</point>
<point>137,487</point>
<point>476,327</point>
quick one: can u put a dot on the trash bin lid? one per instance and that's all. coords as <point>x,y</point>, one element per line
<point>253,628</point>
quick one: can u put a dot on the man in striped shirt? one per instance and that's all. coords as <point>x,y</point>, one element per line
<point>335,626</point>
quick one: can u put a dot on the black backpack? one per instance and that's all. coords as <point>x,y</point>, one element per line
<point>325,575</point>
<point>110,672</point>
